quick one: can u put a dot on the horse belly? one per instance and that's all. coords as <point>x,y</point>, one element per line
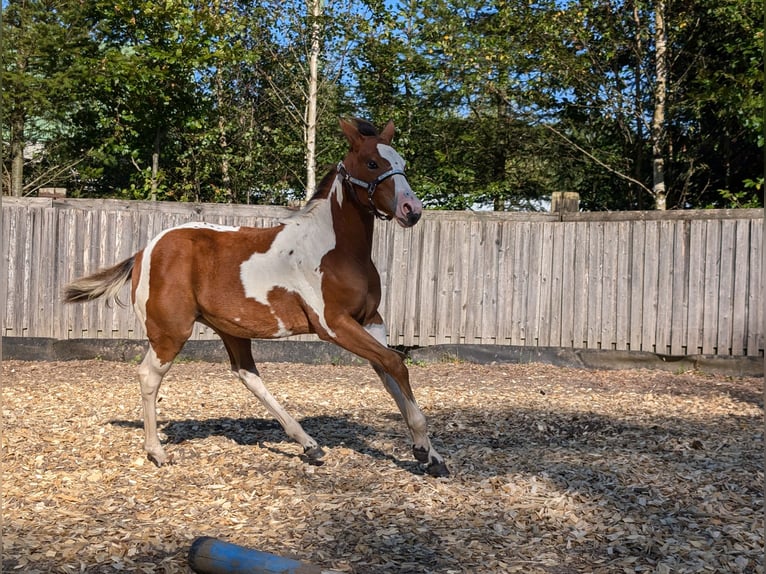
<point>282,316</point>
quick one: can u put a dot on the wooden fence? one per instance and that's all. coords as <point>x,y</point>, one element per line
<point>676,283</point>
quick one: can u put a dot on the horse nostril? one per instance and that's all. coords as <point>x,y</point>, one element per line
<point>413,217</point>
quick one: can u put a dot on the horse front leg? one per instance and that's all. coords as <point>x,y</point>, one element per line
<point>369,342</point>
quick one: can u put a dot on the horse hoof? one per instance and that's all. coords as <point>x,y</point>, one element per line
<point>420,453</point>
<point>437,469</point>
<point>160,461</point>
<point>313,453</point>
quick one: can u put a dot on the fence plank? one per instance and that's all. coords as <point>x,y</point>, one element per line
<point>637,267</point>
<point>679,296</point>
<point>725,310</point>
<point>12,241</point>
<point>739,299</point>
<point>446,290</point>
<point>520,284</point>
<point>595,273</point>
<point>665,272</point>
<point>568,286</point>
<point>755,296</point>
<point>581,287</point>
<point>711,289</point>
<point>544,305</point>
<point>650,287</point>
<point>504,281</point>
<point>534,285</point>
<point>623,286</point>
<point>557,286</point>
<point>609,282</point>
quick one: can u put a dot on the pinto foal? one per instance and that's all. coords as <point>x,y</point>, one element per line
<point>312,273</point>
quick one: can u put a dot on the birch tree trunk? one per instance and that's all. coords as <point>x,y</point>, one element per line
<point>17,154</point>
<point>659,134</point>
<point>222,139</point>
<point>155,165</point>
<point>315,9</point>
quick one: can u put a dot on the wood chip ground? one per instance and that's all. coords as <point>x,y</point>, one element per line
<point>554,470</point>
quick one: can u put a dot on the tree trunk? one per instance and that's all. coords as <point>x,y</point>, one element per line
<point>315,8</point>
<point>17,154</point>
<point>639,109</point>
<point>222,139</point>
<point>659,133</point>
<point>155,164</point>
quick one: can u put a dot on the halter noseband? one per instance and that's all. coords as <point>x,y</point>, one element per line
<point>371,186</point>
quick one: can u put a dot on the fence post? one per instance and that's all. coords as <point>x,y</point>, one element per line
<point>565,202</point>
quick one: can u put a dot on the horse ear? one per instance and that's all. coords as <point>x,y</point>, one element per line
<point>388,132</point>
<point>351,132</point>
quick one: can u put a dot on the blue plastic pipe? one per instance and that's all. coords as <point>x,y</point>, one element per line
<point>211,556</point>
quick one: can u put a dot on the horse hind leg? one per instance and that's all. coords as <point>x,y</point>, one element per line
<point>243,365</point>
<point>150,374</point>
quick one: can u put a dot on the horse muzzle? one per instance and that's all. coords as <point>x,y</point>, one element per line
<point>408,211</point>
<point>408,208</point>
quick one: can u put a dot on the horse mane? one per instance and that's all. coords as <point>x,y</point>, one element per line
<point>323,188</point>
<point>366,129</point>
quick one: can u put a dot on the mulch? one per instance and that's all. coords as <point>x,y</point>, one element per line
<point>554,470</point>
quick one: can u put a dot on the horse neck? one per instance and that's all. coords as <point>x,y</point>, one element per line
<point>353,223</point>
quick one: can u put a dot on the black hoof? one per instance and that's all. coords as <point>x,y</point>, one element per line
<point>437,469</point>
<point>313,454</point>
<point>420,453</point>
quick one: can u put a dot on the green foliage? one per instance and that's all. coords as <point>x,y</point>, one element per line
<point>497,104</point>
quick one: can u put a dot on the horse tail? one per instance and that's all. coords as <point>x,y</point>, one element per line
<point>104,283</point>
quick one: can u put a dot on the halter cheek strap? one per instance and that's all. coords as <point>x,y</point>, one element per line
<point>370,186</point>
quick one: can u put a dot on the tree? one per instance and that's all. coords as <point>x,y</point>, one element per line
<point>44,47</point>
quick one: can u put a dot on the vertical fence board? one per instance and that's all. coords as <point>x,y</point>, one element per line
<point>12,241</point>
<point>698,238</point>
<point>711,289</point>
<point>446,290</point>
<point>623,286</point>
<point>568,287</point>
<point>534,285</point>
<point>581,287</point>
<point>726,287</point>
<point>410,258</point>
<point>609,281</point>
<point>520,283</point>
<point>650,287</point>
<point>680,289</point>
<point>544,305</point>
<point>755,296</point>
<point>637,266</point>
<point>595,273</point>
<point>504,284</point>
<point>740,284</point>
<point>665,272</point>
<point>557,285</point>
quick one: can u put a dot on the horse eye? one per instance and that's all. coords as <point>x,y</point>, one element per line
<point>372,165</point>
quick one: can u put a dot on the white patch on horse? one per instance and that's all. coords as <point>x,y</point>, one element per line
<point>378,330</point>
<point>337,191</point>
<point>401,185</point>
<point>282,331</point>
<point>142,289</point>
<point>293,262</point>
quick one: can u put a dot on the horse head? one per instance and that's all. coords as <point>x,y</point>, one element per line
<point>375,172</point>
